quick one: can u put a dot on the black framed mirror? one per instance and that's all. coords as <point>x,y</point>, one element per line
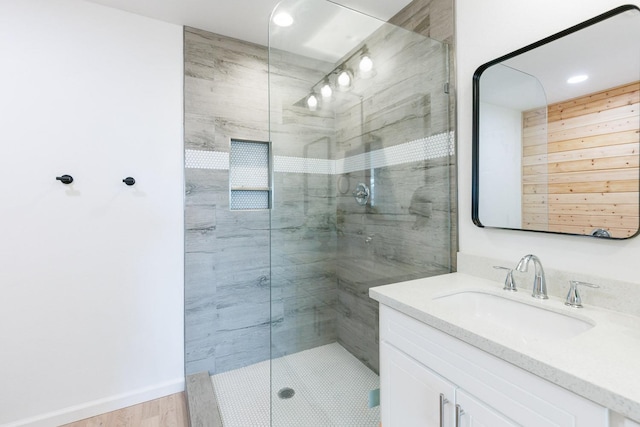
<point>556,132</point>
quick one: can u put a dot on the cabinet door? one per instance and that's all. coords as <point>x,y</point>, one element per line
<point>476,414</point>
<point>617,420</point>
<point>410,392</point>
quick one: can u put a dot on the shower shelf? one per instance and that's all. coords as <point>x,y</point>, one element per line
<point>250,188</point>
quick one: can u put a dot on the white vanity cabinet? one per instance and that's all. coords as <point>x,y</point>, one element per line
<point>420,363</point>
<point>415,396</point>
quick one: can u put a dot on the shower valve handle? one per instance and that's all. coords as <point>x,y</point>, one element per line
<point>361,194</point>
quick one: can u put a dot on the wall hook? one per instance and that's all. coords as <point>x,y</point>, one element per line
<point>65,179</point>
<point>129,180</point>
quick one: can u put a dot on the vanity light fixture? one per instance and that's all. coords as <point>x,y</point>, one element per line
<point>326,89</point>
<point>312,102</point>
<point>345,78</point>
<point>283,19</point>
<point>577,79</point>
<point>341,78</point>
<point>366,64</point>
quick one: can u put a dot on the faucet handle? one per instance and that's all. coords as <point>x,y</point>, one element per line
<point>509,281</point>
<point>573,297</point>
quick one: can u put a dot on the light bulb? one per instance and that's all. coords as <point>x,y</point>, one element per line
<point>312,102</point>
<point>366,64</point>
<point>283,19</point>
<point>326,91</point>
<point>344,79</point>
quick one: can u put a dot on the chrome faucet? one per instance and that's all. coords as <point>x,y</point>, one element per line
<point>539,282</point>
<point>573,297</point>
<point>509,281</point>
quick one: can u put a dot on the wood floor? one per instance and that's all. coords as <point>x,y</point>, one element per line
<point>170,411</point>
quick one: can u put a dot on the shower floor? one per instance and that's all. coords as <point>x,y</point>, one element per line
<point>331,389</point>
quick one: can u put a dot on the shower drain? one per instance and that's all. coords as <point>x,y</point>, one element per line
<point>286,393</point>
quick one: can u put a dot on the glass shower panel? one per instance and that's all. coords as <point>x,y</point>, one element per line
<point>361,197</point>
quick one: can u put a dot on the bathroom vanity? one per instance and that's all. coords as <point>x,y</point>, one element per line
<point>457,350</point>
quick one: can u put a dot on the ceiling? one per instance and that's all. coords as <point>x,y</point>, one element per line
<point>606,51</point>
<point>241,19</point>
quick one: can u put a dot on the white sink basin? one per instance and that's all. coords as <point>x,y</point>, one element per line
<point>524,322</point>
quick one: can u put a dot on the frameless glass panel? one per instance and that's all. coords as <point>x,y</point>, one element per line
<point>362,155</point>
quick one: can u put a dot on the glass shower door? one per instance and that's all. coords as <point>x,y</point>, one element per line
<point>362,155</point>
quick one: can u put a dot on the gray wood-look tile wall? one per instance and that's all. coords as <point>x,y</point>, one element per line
<point>435,19</point>
<point>227,297</point>
<point>404,231</point>
<point>305,267</point>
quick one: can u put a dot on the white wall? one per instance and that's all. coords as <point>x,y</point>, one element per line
<point>500,166</point>
<point>486,30</point>
<point>91,274</point>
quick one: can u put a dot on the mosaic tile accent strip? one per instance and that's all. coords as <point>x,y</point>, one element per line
<point>331,389</point>
<point>432,147</point>
<point>302,165</point>
<point>199,159</point>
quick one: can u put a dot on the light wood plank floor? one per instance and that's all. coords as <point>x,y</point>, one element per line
<point>170,411</point>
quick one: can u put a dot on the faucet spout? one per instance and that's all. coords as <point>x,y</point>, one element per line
<point>539,282</point>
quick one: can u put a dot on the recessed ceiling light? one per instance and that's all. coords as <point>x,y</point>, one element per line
<point>283,19</point>
<point>577,79</point>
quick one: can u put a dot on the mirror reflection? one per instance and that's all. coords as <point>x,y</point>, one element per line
<point>556,132</point>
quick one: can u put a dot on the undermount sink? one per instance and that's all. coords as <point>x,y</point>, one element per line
<point>527,323</point>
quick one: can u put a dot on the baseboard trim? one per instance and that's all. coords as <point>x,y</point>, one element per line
<point>101,406</point>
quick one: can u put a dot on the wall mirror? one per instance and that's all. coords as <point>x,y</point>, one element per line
<point>556,132</point>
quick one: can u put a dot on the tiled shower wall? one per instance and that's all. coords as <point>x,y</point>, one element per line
<point>404,232</point>
<point>435,19</point>
<point>303,230</point>
<point>228,306</point>
<point>227,294</point>
<point>325,250</point>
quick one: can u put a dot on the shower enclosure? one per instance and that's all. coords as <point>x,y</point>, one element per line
<point>359,152</point>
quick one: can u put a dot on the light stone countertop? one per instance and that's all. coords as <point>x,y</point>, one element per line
<point>601,364</point>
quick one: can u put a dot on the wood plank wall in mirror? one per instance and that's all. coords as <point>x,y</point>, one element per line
<point>580,164</point>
